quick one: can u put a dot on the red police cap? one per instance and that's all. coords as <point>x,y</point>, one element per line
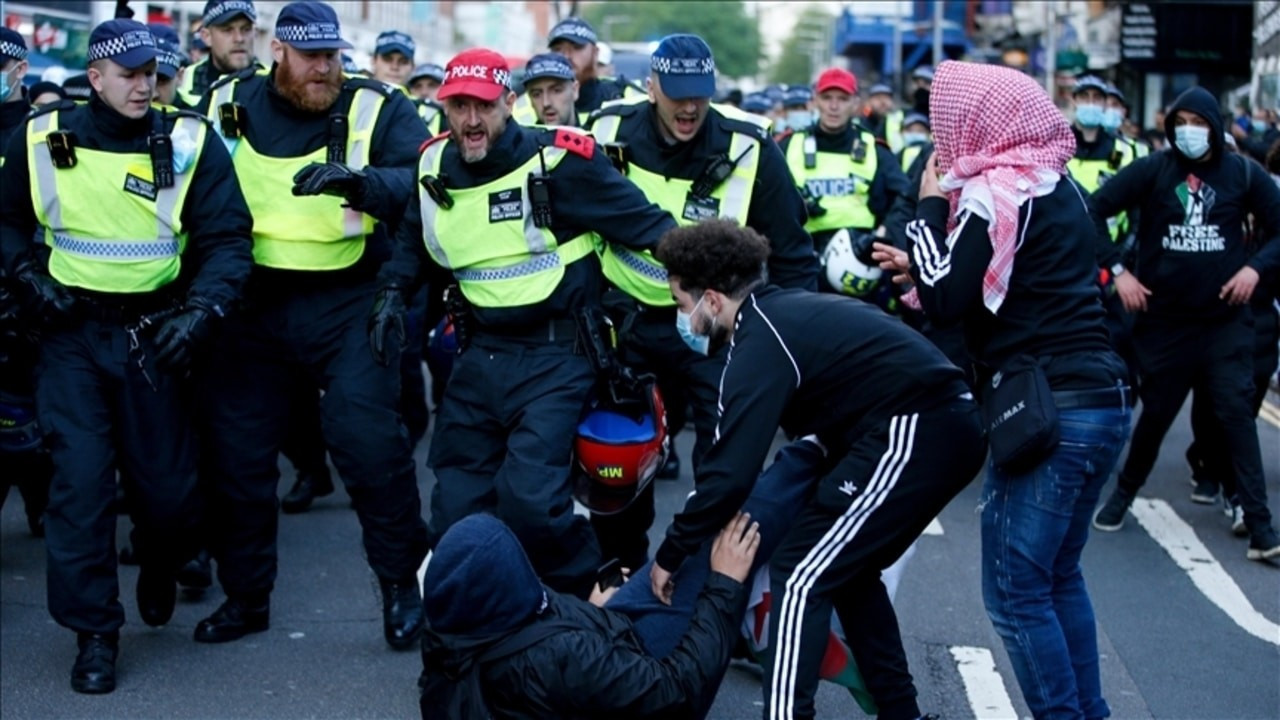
<point>478,73</point>
<point>836,79</point>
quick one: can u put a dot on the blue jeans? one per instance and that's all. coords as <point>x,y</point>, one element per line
<point>1034,527</point>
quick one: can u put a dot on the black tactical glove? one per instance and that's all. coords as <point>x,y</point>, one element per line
<point>387,318</point>
<point>47,299</point>
<point>181,336</point>
<point>329,179</point>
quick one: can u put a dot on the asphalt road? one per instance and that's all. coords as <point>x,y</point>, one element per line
<point>1201,643</point>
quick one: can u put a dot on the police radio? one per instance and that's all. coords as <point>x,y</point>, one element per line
<point>859,151</point>
<point>540,194</point>
<point>619,153</point>
<point>338,132</point>
<point>437,191</point>
<point>161,158</point>
<point>1114,160</point>
<point>810,152</point>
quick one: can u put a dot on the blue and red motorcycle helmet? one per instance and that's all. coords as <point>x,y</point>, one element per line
<point>619,449</point>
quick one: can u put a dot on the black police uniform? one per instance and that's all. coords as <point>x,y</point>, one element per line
<point>887,405</point>
<point>311,324</point>
<point>103,404</point>
<point>599,90</point>
<point>1190,243</point>
<point>503,437</point>
<point>648,338</point>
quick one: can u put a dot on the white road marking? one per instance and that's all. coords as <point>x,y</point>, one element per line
<point>935,528</point>
<point>1180,541</point>
<point>982,684</point>
<point>422,570</point>
<point>1270,413</point>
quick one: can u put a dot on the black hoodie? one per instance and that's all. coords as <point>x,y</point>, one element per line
<point>1191,241</point>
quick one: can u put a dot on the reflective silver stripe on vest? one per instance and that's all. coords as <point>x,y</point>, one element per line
<point>367,102</point>
<point>116,249</point>
<point>605,128</point>
<point>638,263</point>
<point>430,165</point>
<point>738,186</point>
<point>45,178</point>
<point>167,198</point>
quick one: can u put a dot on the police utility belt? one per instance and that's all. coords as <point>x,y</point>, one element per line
<point>698,204</point>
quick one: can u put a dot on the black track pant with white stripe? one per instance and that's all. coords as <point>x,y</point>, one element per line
<point>895,478</point>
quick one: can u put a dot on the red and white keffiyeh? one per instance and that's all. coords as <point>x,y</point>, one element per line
<point>999,140</point>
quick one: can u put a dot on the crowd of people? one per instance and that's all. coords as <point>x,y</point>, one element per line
<point>586,266</point>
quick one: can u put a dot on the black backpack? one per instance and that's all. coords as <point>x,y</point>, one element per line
<point>456,695</point>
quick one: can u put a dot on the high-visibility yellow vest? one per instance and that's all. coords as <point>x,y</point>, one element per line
<point>432,114</point>
<point>839,180</point>
<point>893,130</point>
<point>187,88</point>
<point>488,238</point>
<point>1093,174</point>
<point>108,225</point>
<point>638,273</point>
<point>909,155</point>
<point>311,233</point>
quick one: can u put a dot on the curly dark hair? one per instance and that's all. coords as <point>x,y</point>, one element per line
<point>716,255</point>
<point>1273,158</point>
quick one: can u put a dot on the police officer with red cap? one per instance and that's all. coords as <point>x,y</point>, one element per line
<point>127,301</point>
<point>499,215</point>
<point>347,145</point>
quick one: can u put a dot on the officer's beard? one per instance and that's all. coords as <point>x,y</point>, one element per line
<point>303,92</point>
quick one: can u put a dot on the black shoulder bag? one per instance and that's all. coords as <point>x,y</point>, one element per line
<point>1019,416</point>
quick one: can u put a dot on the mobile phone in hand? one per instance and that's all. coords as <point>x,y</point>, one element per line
<point>610,574</point>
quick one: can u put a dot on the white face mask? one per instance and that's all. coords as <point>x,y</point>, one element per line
<point>799,119</point>
<point>700,344</point>
<point>1191,140</point>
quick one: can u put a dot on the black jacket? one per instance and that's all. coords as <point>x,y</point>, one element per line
<point>218,255</point>
<point>587,195</point>
<point>1053,308</point>
<point>276,128</point>
<point>777,210</point>
<point>13,115</point>
<point>889,182</point>
<point>597,91</point>
<point>1191,240</point>
<point>811,364</point>
<point>601,670</point>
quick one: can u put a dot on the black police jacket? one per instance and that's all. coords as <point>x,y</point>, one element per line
<point>587,195</point>
<point>601,670</point>
<point>218,254</point>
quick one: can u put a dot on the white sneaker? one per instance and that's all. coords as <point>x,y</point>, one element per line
<point>1237,522</point>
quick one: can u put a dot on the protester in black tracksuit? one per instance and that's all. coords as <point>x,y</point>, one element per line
<point>565,658</point>
<point>887,405</point>
<point>1192,283</point>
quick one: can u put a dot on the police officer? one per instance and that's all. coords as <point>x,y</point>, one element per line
<point>883,118</point>
<point>168,73</point>
<point>500,209</point>
<point>796,110</point>
<point>697,161</point>
<point>424,81</point>
<point>227,28</point>
<point>758,104</point>
<point>576,40</point>
<point>393,59</point>
<point>921,84</point>
<point>14,103</point>
<point>551,89</point>
<point>916,141</point>
<point>120,335</point>
<point>847,178</point>
<point>1115,115</point>
<point>351,142</point>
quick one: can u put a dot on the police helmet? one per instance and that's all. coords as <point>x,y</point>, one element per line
<point>620,446</point>
<point>848,264</point>
<point>19,432</point>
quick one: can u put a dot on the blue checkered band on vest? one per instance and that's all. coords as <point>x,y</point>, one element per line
<point>682,66</point>
<point>13,50</point>
<point>118,46</point>
<point>310,32</point>
<point>142,250</point>
<point>222,8</point>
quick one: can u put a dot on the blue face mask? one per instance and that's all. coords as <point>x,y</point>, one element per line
<point>10,84</point>
<point>1112,119</point>
<point>799,119</point>
<point>1191,140</point>
<point>915,138</point>
<point>700,344</point>
<point>1259,126</point>
<point>1089,116</point>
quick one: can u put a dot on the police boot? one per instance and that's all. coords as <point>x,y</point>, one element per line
<point>308,487</point>
<point>95,668</point>
<point>196,576</point>
<point>236,618</point>
<point>157,593</point>
<point>402,614</point>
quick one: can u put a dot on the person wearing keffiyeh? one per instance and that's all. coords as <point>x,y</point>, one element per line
<point>1003,244</point>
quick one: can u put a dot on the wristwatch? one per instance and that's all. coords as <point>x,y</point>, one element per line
<point>1117,270</point>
